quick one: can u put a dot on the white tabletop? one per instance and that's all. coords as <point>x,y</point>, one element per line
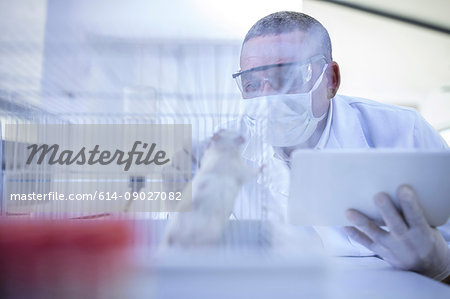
<point>259,275</point>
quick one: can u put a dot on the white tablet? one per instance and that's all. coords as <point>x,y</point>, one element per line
<point>325,183</point>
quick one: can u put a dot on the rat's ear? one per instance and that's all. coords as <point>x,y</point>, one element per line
<point>239,140</point>
<point>218,135</point>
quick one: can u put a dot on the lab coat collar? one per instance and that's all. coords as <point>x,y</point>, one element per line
<point>346,130</point>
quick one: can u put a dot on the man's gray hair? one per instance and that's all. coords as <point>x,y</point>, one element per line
<point>289,21</point>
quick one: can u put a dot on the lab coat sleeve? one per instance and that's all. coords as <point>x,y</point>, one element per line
<point>425,136</point>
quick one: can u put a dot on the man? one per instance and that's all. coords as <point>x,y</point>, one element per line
<point>288,76</point>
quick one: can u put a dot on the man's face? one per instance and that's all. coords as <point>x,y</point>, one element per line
<point>285,48</point>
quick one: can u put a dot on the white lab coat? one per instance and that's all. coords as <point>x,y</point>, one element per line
<point>352,123</point>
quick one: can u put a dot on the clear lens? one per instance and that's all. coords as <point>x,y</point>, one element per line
<point>283,78</point>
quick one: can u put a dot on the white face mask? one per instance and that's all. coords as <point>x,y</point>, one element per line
<point>285,119</point>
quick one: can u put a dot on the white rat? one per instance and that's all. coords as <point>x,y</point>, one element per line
<point>215,187</point>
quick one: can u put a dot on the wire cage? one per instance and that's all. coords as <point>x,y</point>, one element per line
<point>246,227</point>
<point>123,81</point>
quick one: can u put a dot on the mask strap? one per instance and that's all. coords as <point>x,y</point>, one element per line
<point>319,80</point>
<point>316,85</point>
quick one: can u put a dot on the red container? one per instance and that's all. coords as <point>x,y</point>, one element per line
<point>63,259</point>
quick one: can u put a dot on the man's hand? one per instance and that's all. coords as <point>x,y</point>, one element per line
<point>410,243</point>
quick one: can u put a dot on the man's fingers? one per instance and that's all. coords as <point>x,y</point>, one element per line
<point>390,215</point>
<point>358,236</point>
<point>365,241</point>
<point>367,226</point>
<point>411,208</point>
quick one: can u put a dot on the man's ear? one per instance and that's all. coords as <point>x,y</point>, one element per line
<point>334,79</point>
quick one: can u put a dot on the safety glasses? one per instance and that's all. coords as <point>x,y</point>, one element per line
<point>282,77</point>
